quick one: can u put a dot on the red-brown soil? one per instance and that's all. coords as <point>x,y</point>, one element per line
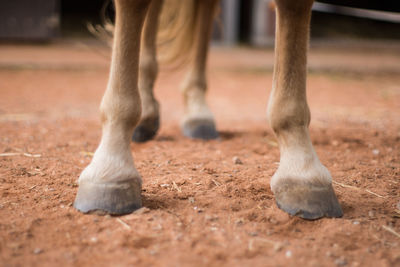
<point>201,209</point>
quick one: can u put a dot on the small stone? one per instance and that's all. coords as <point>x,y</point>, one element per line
<point>375,152</point>
<point>191,200</point>
<point>356,222</point>
<point>341,262</point>
<point>93,239</point>
<point>179,237</point>
<point>288,254</point>
<point>278,247</point>
<point>239,221</point>
<point>237,160</point>
<point>273,221</point>
<point>212,218</point>
<point>158,227</point>
<point>253,234</point>
<point>142,210</point>
<point>37,251</point>
<point>198,209</point>
<point>371,213</point>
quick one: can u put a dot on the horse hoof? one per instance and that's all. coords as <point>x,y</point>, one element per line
<point>108,198</point>
<point>146,130</point>
<point>200,129</point>
<point>308,201</point>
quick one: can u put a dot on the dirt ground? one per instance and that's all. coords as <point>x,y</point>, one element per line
<point>201,207</point>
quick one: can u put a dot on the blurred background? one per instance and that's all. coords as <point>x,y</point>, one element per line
<point>249,22</point>
<point>350,39</point>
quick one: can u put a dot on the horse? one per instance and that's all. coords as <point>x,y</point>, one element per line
<point>302,185</point>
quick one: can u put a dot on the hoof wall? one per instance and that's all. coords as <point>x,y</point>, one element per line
<point>110,198</point>
<point>146,130</point>
<point>200,129</point>
<point>308,201</point>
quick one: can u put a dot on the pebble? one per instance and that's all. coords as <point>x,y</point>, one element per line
<point>237,160</point>
<point>253,234</point>
<point>341,262</point>
<point>371,213</point>
<point>198,209</point>
<point>278,247</point>
<point>37,251</point>
<point>239,221</point>
<point>356,222</point>
<point>142,210</point>
<point>211,218</point>
<point>288,254</point>
<point>375,152</point>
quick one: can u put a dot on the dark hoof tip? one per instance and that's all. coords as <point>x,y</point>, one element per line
<point>200,129</point>
<point>110,198</point>
<point>146,130</point>
<point>308,201</point>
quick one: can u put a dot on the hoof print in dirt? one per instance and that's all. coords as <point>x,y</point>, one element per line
<point>307,201</point>
<point>115,199</point>
<point>200,129</point>
<point>146,130</point>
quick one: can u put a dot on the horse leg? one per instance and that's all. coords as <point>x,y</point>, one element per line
<point>302,185</point>
<point>148,70</point>
<point>111,182</point>
<point>198,121</point>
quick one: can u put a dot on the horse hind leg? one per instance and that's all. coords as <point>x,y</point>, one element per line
<point>302,185</point>
<point>148,70</point>
<point>198,121</point>
<point>111,182</point>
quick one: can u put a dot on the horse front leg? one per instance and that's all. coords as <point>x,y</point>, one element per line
<point>111,182</point>
<point>148,70</point>
<point>198,121</point>
<point>302,185</point>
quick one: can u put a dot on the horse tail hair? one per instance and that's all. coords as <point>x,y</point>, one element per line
<point>176,32</point>
<point>104,31</point>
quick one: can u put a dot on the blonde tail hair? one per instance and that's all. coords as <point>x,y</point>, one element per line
<point>176,32</point>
